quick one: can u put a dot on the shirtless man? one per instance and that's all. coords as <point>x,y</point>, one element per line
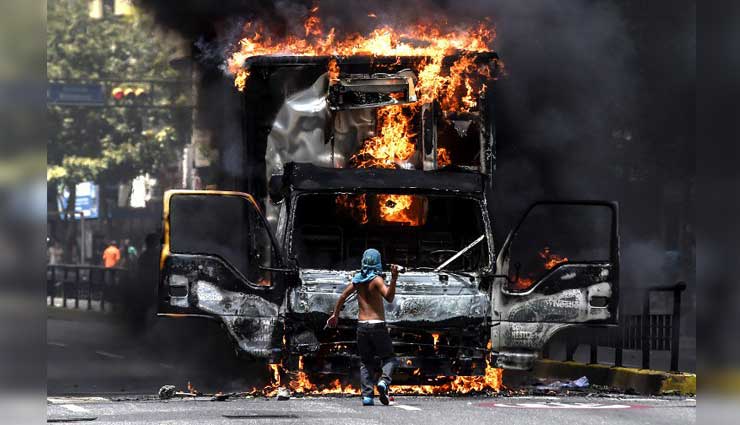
<point>372,335</point>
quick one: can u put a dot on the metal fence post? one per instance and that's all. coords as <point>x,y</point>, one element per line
<point>645,330</point>
<point>594,347</point>
<point>102,289</point>
<point>50,284</point>
<point>570,347</point>
<point>676,325</point>
<point>619,345</point>
<point>89,288</point>
<point>64,287</point>
<point>77,287</point>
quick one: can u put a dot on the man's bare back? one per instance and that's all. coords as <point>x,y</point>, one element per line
<point>369,298</point>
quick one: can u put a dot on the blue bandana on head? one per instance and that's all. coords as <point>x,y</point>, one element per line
<point>371,267</point>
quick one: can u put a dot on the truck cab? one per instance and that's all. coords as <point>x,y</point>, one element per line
<point>459,306</point>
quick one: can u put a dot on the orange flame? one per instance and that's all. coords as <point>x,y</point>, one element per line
<point>275,368</point>
<point>419,41</point>
<point>392,146</point>
<point>522,283</point>
<point>355,204</point>
<point>301,384</point>
<point>551,259</point>
<point>399,209</point>
<point>333,70</point>
<point>443,158</point>
<point>312,24</point>
<point>491,381</point>
<point>435,338</point>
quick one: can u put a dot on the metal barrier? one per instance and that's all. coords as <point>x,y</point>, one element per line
<point>92,284</point>
<point>646,332</point>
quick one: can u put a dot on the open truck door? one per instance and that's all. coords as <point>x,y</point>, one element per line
<point>220,260</point>
<point>558,268</point>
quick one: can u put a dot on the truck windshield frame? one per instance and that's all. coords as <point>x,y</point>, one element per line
<point>424,236</point>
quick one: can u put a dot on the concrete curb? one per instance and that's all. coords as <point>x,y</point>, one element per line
<point>642,381</point>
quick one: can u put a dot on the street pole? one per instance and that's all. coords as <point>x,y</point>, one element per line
<point>83,239</point>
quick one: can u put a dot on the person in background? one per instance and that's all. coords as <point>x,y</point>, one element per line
<point>132,253</point>
<point>148,263</point>
<point>142,292</point>
<point>129,254</point>
<point>56,253</point>
<point>111,255</point>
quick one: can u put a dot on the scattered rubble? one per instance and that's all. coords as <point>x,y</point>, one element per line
<point>283,394</point>
<point>167,392</point>
<point>579,383</point>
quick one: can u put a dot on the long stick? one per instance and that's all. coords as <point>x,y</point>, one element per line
<point>463,251</point>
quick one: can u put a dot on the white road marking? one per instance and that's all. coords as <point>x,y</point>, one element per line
<point>110,355</point>
<point>405,407</point>
<point>563,406</point>
<point>56,344</point>
<point>529,397</point>
<point>76,400</point>
<point>74,408</point>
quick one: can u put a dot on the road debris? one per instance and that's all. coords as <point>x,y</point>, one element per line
<point>167,392</point>
<point>170,391</point>
<point>283,394</point>
<point>579,383</point>
<point>222,396</point>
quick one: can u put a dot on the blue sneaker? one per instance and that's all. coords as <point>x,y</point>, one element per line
<point>367,401</point>
<point>383,393</point>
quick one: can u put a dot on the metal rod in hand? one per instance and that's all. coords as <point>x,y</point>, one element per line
<point>463,251</point>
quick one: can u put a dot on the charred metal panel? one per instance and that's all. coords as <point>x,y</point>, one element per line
<point>420,298</point>
<point>564,296</point>
<point>299,131</point>
<point>207,286</point>
<point>568,306</point>
<point>311,178</point>
<point>251,320</point>
<point>516,336</point>
<point>428,137</point>
<point>524,322</point>
<point>373,90</point>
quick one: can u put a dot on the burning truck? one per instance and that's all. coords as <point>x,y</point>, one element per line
<point>374,142</point>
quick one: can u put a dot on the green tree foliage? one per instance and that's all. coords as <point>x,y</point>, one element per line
<point>110,144</point>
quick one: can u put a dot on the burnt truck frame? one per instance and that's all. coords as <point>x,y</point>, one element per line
<point>270,261</point>
<point>214,264</point>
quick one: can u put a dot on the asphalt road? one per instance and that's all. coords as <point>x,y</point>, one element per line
<point>103,370</point>
<point>404,410</point>
<point>96,354</point>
